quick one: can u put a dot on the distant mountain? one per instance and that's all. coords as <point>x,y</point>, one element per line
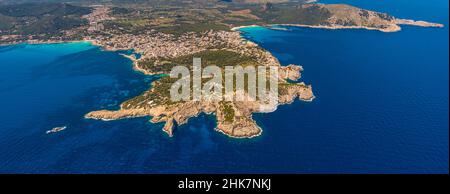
<point>136,1</point>
<point>37,18</point>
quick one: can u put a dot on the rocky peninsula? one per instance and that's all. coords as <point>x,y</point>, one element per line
<point>342,16</point>
<point>233,118</point>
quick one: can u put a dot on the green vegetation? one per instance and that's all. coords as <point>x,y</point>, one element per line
<point>41,18</point>
<point>179,29</point>
<point>6,22</point>
<point>120,11</point>
<point>228,111</point>
<point>284,14</point>
<point>160,93</point>
<point>220,58</point>
<point>40,9</point>
<point>44,20</point>
<point>215,16</point>
<point>283,87</point>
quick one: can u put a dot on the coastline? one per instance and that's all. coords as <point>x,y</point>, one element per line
<point>91,42</point>
<point>395,27</point>
<point>168,129</point>
<point>340,27</point>
<point>240,137</point>
<point>50,42</point>
<point>367,115</point>
<point>123,114</point>
<point>335,27</point>
<point>36,42</point>
<point>135,65</point>
<point>247,26</point>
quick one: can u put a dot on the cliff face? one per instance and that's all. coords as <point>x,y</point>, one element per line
<point>162,51</point>
<point>334,16</point>
<point>233,118</point>
<point>346,16</point>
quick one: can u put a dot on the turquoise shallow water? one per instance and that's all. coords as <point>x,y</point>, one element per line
<point>381,107</point>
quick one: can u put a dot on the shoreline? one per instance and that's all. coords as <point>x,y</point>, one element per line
<point>136,68</point>
<point>93,43</point>
<point>395,27</point>
<point>337,27</point>
<point>49,42</point>
<point>36,42</point>
<point>135,65</point>
<point>247,26</point>
<point>240,137</point>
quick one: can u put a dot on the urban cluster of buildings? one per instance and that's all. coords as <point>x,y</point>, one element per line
<point>157,45</point>
<point>99,14</point>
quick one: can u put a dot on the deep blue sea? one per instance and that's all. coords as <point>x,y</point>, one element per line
<point>381,107</point>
